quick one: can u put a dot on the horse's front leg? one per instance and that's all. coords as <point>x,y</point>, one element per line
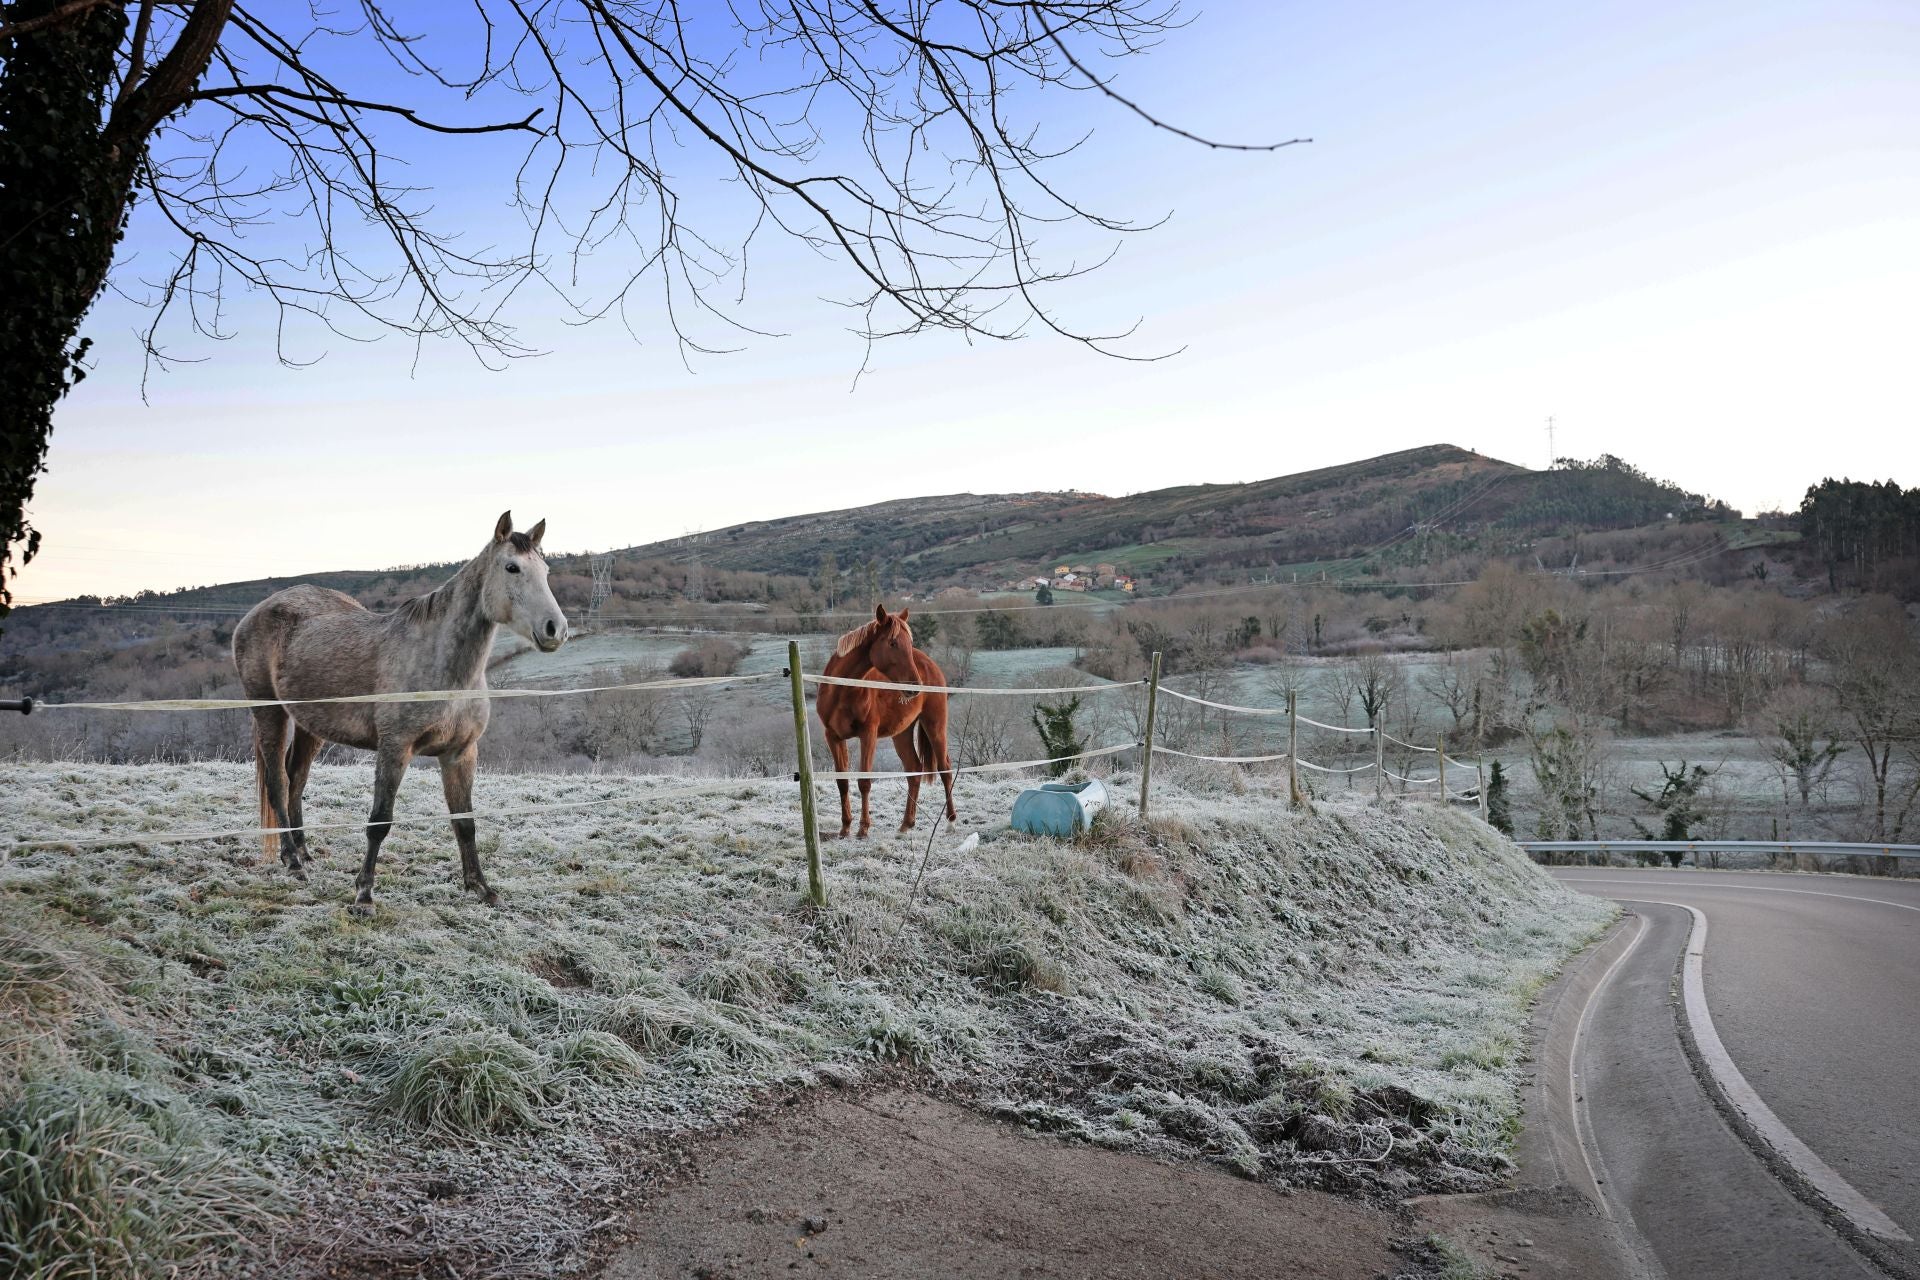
<point>456,779</point>
<point>838,748</point>
<point>869,742</point>
<point>389,766</point>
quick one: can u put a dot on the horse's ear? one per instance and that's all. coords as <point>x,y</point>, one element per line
<point>902,615</point>
<point>536,533</point>
<point>503,526</point>
<point>880,613</point>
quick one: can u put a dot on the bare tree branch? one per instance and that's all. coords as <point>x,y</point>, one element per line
<point>65,13</point>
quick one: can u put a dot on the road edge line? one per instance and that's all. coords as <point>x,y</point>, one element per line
<point>1744,1109</point>
<point>1556,1150</point>
<point>1836,1190</point>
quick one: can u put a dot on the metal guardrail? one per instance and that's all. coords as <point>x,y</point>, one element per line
<point>1827,848</point>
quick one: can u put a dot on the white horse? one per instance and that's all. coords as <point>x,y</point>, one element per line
<point>309,642</point>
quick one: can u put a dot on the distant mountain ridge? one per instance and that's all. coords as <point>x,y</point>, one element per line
<point>1419,503</point>
<point>1433,494</point>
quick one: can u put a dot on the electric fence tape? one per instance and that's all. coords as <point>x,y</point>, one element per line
<point>1188,755</point>
<point>896,686</point>
<point>185,837</point>
<point>858,776</point>
<point>424,695</point>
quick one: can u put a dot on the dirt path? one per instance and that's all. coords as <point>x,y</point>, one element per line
<point>894,1184</point>
<point>891,1183</point>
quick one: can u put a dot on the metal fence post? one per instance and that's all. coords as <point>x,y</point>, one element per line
<point>1379,765</point>
<point>803,751</point>
<point>1146,748</point>
<point>1294,797</point>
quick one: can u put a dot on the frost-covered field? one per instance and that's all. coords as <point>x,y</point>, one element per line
<point>1335,998</point>
<point>595,654</point>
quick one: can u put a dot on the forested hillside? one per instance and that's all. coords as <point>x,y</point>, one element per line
<point>1866,536</point>
<point>1427,502</point>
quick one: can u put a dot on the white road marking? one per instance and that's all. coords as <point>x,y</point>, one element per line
<point>1583,1123</point>
<point>1641,1257</point>
<point>1750,888</point>
<point>1829,1185</point>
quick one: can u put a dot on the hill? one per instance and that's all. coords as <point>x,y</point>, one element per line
<point>1417,505</point>
<point>1429,501</point>
<point>204,1052</point>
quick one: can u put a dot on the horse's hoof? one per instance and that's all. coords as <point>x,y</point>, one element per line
<point>490,898</point>
<point>864,833</point>
<point>298,873</point>
<point>362,909</point>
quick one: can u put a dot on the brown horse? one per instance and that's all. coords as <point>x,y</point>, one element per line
<point>917,722</point>
<point>308,642</point>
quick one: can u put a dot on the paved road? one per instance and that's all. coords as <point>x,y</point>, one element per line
<point>1813,984</point>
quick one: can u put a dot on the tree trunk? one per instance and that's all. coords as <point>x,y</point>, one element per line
<point>71,147</point>
<point>63,200</point>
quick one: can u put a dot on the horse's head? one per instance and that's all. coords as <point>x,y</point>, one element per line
<point>516,592</point>
<point>892,648</point>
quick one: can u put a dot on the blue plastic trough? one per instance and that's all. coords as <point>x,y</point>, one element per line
<point>1057,809</point>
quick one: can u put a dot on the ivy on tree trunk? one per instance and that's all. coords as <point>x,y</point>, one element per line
<point>63,200</point>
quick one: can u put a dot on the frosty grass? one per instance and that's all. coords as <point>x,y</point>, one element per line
<point>1335,998</point>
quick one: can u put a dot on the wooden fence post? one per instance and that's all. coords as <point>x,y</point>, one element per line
<point>1480,772</point>
<point>803,749</point>
<point>1379,765</point>
<point>1294,797</point>
<point>1146,748</point>
<point>1440,747</point>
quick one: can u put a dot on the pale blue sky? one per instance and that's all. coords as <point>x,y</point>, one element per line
<point>1690,232</point>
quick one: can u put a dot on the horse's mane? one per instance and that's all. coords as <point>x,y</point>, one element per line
<point>854,639</point>
<point>864,632</point>
<point>419,608</point>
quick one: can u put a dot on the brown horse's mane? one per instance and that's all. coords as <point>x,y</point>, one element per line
<point>864,632</point>
<point>854,639</point>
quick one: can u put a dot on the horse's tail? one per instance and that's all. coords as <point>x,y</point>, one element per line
<point>938,765</point>
<point>269,844</point>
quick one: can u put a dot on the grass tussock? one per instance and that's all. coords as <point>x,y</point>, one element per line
<point>592,1057</point>
<point>467,1084</point>
<point>1331,998</point>
<point>87,1190</point>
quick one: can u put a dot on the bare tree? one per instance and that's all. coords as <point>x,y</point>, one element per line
<point>627,722</point>
<point>1378,683</point>
<point>1344,685</point>
<point>906,144</point>
<point>1571,767</point>
<point>985,730</point>
<point>1491,609</point>
<point>955,650</point>
<point>1875,671</point>
<point>1801,734</point>
<point>696,707</point>
<point>1456,685</point>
